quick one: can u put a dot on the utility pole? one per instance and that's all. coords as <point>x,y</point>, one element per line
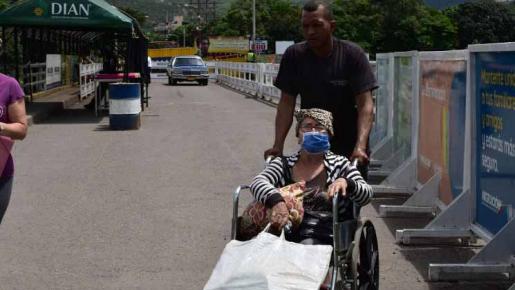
<point>183,36</point>
<point>199,24</point>
<point>253,48</point>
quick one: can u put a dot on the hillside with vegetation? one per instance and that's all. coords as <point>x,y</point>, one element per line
<point>158,10</point>
<point>441,4</point>
<point>377,25</point>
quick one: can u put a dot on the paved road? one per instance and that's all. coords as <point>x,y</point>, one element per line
<point>150,209</point>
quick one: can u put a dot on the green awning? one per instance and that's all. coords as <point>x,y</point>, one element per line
<point>67,14</point>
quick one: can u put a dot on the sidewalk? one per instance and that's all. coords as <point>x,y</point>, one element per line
<point>51,102</point>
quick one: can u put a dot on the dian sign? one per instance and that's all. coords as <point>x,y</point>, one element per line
<point>73,10</point>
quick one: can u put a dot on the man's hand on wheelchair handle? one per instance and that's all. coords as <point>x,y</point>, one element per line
<point>360,155</point>
<point>274,151</point>
<point>279,216</point>
<point>339,185</point>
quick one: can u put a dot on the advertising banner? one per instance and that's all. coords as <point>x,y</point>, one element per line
<point>441,144</point>
<point>53,70</point>
<point>494,95</point>
<point>403,98</point>
<point>281,46</point>
<point>228,44</point>
<point>260,47</point>
<point>382,96</point>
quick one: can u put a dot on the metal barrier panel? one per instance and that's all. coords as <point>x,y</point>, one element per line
<point>493,94</point>
<point>441,146</point>
<point>405,92</point>
<point>383,100</point>
<point>492,170</point>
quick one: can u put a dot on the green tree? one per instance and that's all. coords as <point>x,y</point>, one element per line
<point>3,4</point>
<point>283,22</point>
<point>138,15</point>
<point>411,25</point>
<point>437,32</point>
<point>358,21</point>
<point>376,25</point>
<point>483,21</point>
<point>275,20</point>
<point>186,32</point>
<point>6,3</point>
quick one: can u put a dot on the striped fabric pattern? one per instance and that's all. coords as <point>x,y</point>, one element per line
<point>271,178</point>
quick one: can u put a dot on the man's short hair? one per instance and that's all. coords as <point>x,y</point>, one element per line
<point>312,5</point>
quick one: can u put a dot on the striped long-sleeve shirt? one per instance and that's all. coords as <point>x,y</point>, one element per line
<point>265,186</point>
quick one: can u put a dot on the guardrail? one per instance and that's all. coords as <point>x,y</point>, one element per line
<point>87,78</point>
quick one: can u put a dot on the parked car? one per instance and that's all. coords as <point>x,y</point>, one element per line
<point>187,68</point>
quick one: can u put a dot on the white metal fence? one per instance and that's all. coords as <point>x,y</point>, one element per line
<point>250,78</point>
<point>87,78</point>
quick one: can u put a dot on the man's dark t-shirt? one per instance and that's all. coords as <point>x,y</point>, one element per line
<point>330,83</point>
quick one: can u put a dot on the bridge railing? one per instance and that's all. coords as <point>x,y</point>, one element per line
<point>256,79</point>
<point>251,78</point>
<point>87,78</point>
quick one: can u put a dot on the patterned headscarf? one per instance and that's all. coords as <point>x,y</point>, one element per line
<point>323,117</point>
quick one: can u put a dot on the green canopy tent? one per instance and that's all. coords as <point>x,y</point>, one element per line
<point>75,27</point>
<point>67,14</point>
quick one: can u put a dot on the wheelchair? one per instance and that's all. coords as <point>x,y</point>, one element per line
<point>355,257</point>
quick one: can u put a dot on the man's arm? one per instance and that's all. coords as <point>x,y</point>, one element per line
<point>283,122</point>
<point>365,106</point>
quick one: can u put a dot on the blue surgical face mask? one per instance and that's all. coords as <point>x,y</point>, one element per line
<point>315,142</point>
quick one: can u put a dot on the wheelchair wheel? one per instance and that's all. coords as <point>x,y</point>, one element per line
<point>365,259</point>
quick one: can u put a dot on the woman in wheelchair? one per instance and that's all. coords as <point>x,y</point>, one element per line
<point>323,174</point>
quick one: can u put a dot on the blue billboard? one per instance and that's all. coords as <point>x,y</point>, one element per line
<point>495,138</point>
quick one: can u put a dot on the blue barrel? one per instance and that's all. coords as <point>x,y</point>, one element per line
<point>124,106</point>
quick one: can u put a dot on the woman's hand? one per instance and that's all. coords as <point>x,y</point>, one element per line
<point>339,185</point>
<point>279,216</point>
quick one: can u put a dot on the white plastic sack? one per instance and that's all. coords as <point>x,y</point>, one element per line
<point>268,262</point>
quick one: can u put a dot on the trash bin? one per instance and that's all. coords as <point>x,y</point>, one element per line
<point>124,106</point>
